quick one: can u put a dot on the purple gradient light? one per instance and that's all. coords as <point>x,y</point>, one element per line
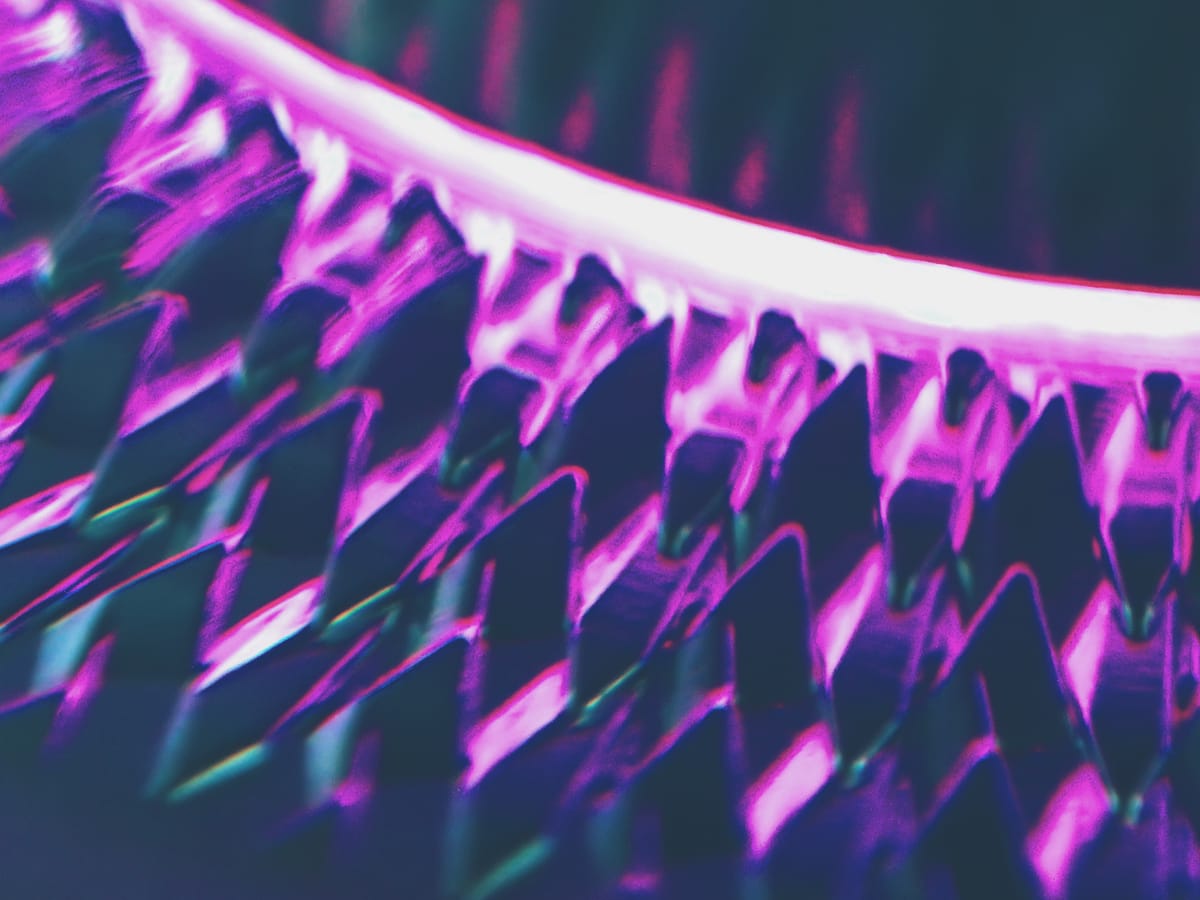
<point>788,785</point>
<point>664,246</point>
<point>365,146</point>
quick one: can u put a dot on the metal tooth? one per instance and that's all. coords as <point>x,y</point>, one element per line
<point>1161,396</point>
<point>704,337</point>
<point>152,639</point>
<point>251,791</point>
<point>870,685</point>
<point>974,833</point>
<point>775,337</point>
<point>944,720</point>
<point>284,342</point>
<point>92,248</point>
<point>1128,709</point>
<point>359,191</point>
<point>698,486</point>
<point>1182,775</point>
<point>529,557</point>
<point>1095,406</point>
<point>147,460</point>
<point>931,461</point>
<point>1141,541</point>
<point>1126,859</point>
<point>416,359</point>
<point>421,689</point>
<point>966,375</point>
<point>530,731</point>
<point>593,284</point>
<point>93,372</point>
<point>528,272</point>
<point>226,269</point>
<point>417,209</point>
<point>295,521</point>
<point>362,663</point>
<point>617,433</point>
<point>486,833</point>
<point>690,661</point>
<point>1038,515</point>
<point>392,544</point>
<point>49,174</point>
<point>49,560</point>
<point>619,627</point>
<point>1027,703</point>
<point>222,716</point>
<point>827,484</point>
<point>488,425</point>
<point>381,255</point>
<point>129,654</point>
<point>919,521</point>
<point>837,843</point>
<point>562,348</point>
<point>765,415</point>
<point>698,820</point>
<point>770,610</point>
<point>896,382</point>
<point>1142,487</point>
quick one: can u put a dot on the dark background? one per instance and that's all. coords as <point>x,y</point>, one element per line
<point>1037,135</point>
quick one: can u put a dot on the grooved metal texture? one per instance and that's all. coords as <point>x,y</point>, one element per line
<point>343,554</point>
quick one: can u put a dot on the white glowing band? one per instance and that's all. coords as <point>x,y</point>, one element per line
<point>725,263</point>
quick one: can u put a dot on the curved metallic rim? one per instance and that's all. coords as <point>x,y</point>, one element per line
<point>667,247</point>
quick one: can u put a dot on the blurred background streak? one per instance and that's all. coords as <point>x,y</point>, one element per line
<point>1049,137</point>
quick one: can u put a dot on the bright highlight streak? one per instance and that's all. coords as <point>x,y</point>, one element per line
<point>259,633</point>
<point>1073,817</point>
<point>516,722</point>
<point>841,615</point>
<point>1084,649</point>
<point>788,785</point>
<point>740,265</point>
<point>42,511</point>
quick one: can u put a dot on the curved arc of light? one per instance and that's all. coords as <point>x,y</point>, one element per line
<point>726,263</point>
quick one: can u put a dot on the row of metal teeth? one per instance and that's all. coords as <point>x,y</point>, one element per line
<point>970,137</point>
<point>411,516</point>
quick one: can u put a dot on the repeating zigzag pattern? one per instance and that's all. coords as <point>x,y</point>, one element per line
<point>338,561</point>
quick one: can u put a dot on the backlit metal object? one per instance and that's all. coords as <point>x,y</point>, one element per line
<point>389,508</point>
<point>665,247</point>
